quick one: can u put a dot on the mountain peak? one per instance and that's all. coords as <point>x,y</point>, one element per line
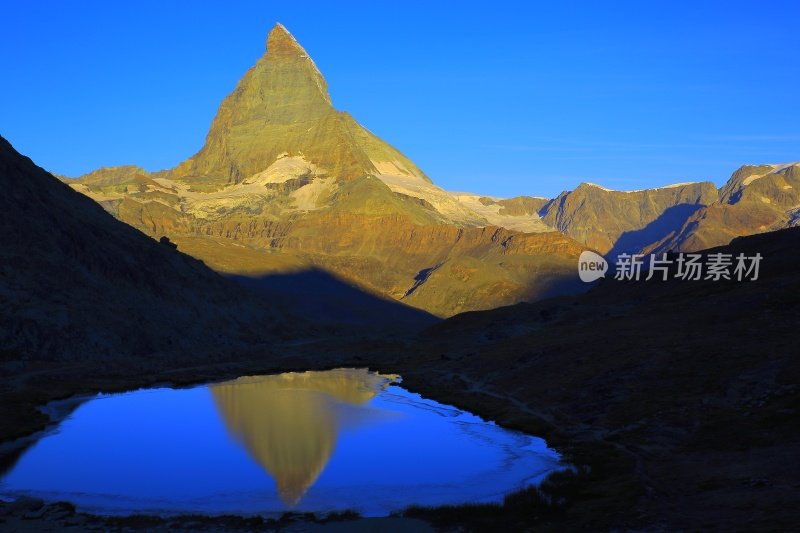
<point>280,41</point>
<point>282,106</point>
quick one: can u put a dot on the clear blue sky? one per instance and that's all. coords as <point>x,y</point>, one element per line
<point>496,97</point>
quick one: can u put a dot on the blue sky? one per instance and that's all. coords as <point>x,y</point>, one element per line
<point>499,97</point>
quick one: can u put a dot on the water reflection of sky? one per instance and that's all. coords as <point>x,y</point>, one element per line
<point>313,441</point>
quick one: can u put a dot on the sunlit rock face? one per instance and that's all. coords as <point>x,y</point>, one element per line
<point>755,199</point>
<point>625,221</point>
<point>289,422</point>
<point>282,105</point>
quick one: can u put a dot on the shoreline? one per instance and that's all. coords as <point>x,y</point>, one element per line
<point>73,391</point>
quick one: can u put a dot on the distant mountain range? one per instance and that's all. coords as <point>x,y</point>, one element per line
<point>755,199</point>
<point>285,182</point>
<point>681,217</point>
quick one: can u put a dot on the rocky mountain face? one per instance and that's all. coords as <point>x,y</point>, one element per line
<point>755,199</point>
<point>281,107</point>
<point>617,221</point>
<point>684,217</point>
<point>77,284</point>
<point>286,182</point>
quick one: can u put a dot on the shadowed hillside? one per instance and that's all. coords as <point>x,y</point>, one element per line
<point>76,283</point>
<point>317,295</point>
<point>682,396</point>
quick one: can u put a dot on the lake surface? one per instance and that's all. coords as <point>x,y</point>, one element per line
<point>309,441</point>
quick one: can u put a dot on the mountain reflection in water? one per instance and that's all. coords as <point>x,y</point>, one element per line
<point>289,422</point>
<point>306,441</point>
